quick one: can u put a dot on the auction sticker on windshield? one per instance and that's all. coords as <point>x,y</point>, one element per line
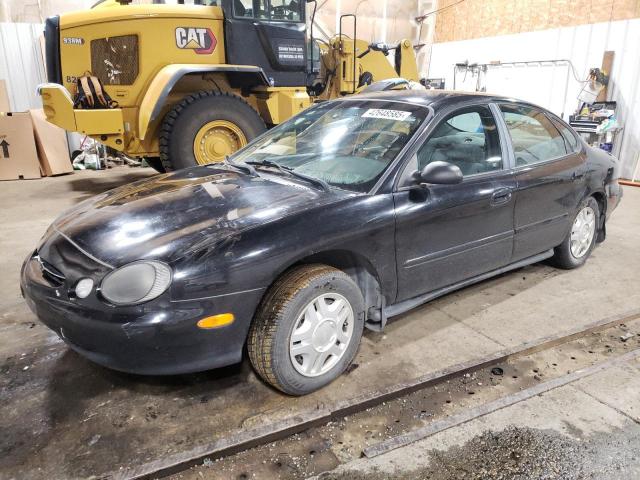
<point>386,114</point>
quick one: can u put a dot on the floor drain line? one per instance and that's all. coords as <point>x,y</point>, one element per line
<point>490,407</point>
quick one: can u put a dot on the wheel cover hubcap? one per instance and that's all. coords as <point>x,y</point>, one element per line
<point>582,232</point>
<point>217,139</point>
<point>321,334</point>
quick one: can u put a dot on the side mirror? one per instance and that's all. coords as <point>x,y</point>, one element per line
<point>442,173</point>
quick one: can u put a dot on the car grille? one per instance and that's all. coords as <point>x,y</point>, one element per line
<point>50,273</point>
<point>114,60</point>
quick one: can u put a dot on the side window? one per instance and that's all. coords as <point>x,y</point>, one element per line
<point>250,8</point>
<point>286,10</point>
<point>272,10</point>
<point>569,137</point>
<point>533,136</point>
<point>467,138</point>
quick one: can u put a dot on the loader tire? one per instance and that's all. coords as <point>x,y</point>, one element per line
<point>155,163</point>
<point>205,127</point>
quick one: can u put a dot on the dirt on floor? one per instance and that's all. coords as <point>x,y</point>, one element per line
<point>524,454</point>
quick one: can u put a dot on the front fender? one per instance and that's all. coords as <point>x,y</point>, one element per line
<point>164,81</point>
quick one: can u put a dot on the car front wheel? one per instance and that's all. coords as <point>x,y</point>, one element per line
<point>307,329</point>
<point>581,239</point>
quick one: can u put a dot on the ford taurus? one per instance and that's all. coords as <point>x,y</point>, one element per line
<point>350,213</point>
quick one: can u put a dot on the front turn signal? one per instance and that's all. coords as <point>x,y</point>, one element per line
<point>216,321</point>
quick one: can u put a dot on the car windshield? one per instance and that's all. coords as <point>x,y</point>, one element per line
<point>346,144</point>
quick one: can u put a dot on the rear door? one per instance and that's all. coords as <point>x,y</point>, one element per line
<point>448,233</point>
<point>549,174</point>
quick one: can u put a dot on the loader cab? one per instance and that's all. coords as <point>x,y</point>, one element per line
<point>269,34</point>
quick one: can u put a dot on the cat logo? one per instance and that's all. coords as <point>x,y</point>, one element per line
<point>200,40</point>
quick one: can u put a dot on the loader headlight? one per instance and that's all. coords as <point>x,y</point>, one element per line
<point>137,282</point>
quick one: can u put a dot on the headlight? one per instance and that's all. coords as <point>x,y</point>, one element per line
<point>136,283</point>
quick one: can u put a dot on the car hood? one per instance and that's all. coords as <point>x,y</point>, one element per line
<point>176,214</point>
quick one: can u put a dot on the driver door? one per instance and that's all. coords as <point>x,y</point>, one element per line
<point>449,233</point>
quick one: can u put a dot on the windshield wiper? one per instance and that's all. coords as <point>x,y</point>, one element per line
<point>248,169</point>
<point>268,163</point>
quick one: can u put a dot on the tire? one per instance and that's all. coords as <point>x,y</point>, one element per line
<point>282,311</point>
<point>566,258</point>
<point>155,163</point>
<point>181,125</point>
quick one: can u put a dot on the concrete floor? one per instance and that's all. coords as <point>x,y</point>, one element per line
<point>63,417</point>
<point>589,429</point>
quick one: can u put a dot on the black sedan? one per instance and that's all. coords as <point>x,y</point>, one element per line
<point>350,213</point>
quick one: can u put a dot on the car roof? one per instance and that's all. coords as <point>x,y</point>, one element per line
<point>436,99</point>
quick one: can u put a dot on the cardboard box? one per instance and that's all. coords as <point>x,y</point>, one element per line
<point>18,154</point>
<point>5,106</point>
<point>51,142</point>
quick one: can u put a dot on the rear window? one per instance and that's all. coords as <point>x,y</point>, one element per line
<point>573,145</point>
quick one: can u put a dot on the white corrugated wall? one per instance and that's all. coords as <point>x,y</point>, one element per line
<point>21,63</point>
<point>554,86</point>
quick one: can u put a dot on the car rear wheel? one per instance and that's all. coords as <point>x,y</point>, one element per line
<point>581,239</point>
<point>307,329</point>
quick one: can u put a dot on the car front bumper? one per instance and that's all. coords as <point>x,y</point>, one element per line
<point>156,338</point>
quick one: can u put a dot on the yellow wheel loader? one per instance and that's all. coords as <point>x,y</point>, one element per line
<point>194,83</point>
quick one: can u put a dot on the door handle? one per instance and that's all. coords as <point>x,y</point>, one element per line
<point>577,176</point>
<point>500,196</point>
